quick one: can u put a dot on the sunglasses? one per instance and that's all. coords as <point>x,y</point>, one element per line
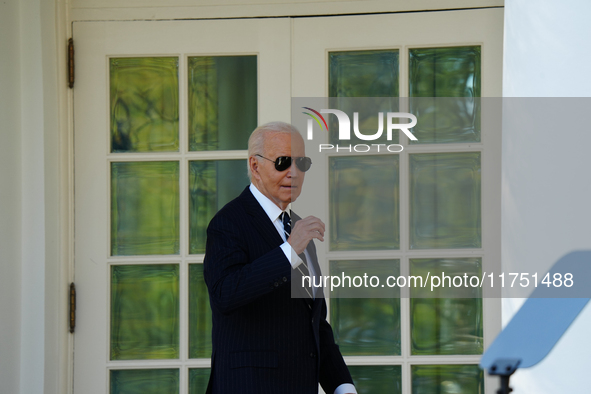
<point>284,162</point>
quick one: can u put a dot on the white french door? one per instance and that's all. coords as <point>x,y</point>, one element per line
<point>162,111</point>
<point>408,345</point>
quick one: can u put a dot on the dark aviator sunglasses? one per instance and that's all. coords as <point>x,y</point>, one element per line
<point>282,163</point>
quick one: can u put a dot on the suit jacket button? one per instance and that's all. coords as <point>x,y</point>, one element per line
<point>284,279</point>
<point>276,284</point>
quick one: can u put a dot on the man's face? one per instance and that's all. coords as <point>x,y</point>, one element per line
<point>280,187</point>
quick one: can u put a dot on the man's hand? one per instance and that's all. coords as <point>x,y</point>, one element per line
<point>304,231</point>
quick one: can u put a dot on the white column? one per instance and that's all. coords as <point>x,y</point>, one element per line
<point>10,195</point>
<point>32,199</point>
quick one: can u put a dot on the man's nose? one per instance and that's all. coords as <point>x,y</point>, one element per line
<point>293,170</point>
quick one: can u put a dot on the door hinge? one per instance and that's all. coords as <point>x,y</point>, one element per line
<point>72,307</point>
<point>71,63</point>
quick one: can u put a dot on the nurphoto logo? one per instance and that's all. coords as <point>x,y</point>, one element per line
<point>345,129</point>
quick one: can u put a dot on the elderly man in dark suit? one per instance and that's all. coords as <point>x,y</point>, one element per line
<point>265,340</point>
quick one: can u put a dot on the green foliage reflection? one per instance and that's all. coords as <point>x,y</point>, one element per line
<point>144,208</point>
<point>446,326</point>
<point>363,74</point>
<point>198,379</point>
<point>212,184</point>
<point>144,94</point>
<point>445,203</point>
<point>377,379</point>
<point>145,381</point>
<point>200,320</point>
<point>366,326</point>
<point>364,202</point>
<point>445,73</point>
<point>144,312</point>
<point>447,379</point>
<point>222,101</point>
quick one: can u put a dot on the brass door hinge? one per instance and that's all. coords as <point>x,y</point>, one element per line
<point>72,307</point>
<point>71,63</point>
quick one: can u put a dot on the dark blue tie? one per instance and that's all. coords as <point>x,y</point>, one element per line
<point>303,268</point>
<point>286,224</point>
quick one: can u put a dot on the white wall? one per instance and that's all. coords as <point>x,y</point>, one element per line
<point>10,193</point>
<point>32,200</point>
<point>29,199</point>
<point>546,191</point>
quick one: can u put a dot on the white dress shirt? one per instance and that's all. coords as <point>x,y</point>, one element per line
<point>274,213</point>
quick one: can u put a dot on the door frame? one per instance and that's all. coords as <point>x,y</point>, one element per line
<point>59,358</point>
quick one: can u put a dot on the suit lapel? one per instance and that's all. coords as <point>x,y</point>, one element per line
<point>260,220</point>
<point>269,233</point>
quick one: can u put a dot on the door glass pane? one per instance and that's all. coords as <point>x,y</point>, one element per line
<point>222,101</point>
<point>364,202</point>
<point>144,108</point>
<point>145,381</point>
<point>198,379</point>
<point>144,208</point>
<point>212,184</point>
<point>365,326</point>
<point>442,326</point>
<point>445,72</point>
<point>445,210</point>
<point>199,314</point>
<point>377,379</point>
<point>144,312</point>
<point>363,74</point>
<point>448,379</point>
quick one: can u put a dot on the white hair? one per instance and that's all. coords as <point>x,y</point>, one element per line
<point>256,142</point>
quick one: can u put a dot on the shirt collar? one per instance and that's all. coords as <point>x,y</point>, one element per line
<point>272,210</point>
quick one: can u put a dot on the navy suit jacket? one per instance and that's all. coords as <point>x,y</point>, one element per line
<point>264,341</point>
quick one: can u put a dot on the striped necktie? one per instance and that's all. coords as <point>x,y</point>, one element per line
<point>303,268</point>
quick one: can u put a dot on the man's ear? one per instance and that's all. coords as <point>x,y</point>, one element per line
<point>253,163</point>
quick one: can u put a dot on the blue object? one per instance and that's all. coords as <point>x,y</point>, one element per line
<point>541,321</point>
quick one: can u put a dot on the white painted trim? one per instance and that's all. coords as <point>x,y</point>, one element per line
<point>92,10</point>
<point>61,365</point>
<point>67,12</point>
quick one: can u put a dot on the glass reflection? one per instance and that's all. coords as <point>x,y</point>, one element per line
<point>212,184</point>
<point>364,202</point>
<point>366,326</point>
<point>445,201</point>
<point>144,312</point>
<point>222,102</point>
<point>447,379</point>
<point>144,108</point>
<point>200,320</point>
<point>377,379</point>
<point>145,381</point>
<point>144,208</point>
<point>443,326</point>
<point>445,72</point>
<point>198,379</point>
<point>363,74</point>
